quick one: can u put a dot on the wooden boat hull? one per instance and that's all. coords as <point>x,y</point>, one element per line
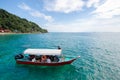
<point>45,64</point>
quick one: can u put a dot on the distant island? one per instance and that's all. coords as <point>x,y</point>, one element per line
<point>10,23</point>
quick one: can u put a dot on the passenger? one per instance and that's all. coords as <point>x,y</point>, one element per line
<point>31,57</point>
<point>37,59</point>
<point>48,59</point>
<point>51,58</point>
<point>33,60</point>
<point>56,59</point>
<point>43,59</point>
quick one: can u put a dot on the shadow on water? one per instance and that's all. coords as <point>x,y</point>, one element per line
<point>66,72</point>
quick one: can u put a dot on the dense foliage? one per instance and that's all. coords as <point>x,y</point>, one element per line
<point>17,24</point>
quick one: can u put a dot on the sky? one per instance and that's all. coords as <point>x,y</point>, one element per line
<point>68,15</point>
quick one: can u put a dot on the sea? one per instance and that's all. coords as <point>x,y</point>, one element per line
<point>99,56</point>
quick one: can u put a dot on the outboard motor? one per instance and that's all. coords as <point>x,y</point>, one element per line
<point>19,56</point>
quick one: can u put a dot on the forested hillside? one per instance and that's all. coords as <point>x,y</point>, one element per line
<point>16,24</point>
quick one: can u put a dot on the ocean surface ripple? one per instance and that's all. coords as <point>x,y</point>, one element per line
<point>100,56</point>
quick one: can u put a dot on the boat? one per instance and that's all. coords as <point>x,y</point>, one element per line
<point>37,57</point>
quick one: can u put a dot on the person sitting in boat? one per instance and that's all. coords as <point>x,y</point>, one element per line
<point>31,57</point>
<point>51,58</point>
<point>37,58</point>
<point>34,60</point>
<point>43,58</point>
<point>56,59</point>
<point>48,59</point>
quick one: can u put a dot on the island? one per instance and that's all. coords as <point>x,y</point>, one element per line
<point>10,23</point>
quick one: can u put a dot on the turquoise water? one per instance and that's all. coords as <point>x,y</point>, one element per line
<point>100,56</point>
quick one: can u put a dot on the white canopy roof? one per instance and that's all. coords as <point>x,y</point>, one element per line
<point>43,51</point>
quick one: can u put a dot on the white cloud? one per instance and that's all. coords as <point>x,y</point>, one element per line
<point>103,8</point>
<point>24,6</point>
<point>108,9</point>
<point>87,25</point>
<point>65,6</point>
<point>94,3</point>
<point>105,20</point>
<point>103,17</point>
<point>41,15</point>
<point>35,13</point>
